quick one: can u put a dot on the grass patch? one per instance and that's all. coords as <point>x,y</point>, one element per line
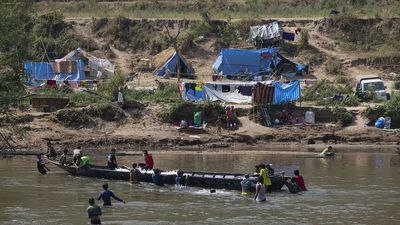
<point>323,92</point>
<point>169,93</point>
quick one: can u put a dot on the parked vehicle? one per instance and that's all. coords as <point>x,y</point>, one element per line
<point>368,85</point>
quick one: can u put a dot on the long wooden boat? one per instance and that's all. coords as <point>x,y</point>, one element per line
<point>229,181</point>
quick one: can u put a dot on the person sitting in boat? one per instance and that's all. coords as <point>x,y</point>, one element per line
<point>260,190</point>
<point>246,184</point>
<point>63,158</point>
<point>299,180</point>
<point>51,152</point>
<point>106,196</point>
<point>180,179</point>
<point>264,175</point>
<point>134,174</point>
<point>77,153</point>
<point>112,160</point>
<point>271,171</point>
<point>148,159</point>
<point>328,152</point>
<point>94,212</point>
<point>292,186</point>
<point>41,165</point>
<point>158,178</point>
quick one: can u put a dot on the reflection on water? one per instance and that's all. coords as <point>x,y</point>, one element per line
<point>349,189</point>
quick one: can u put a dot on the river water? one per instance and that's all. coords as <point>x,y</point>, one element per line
<point>349,189</point>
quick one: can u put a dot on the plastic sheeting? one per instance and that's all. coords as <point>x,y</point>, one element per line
<point>228,97</point>
<point>104,66</point>
<point>39,71</point>
<point>231,62</point>
<point>171,63</point>
<point>286,92</point>
<point>265,32</point>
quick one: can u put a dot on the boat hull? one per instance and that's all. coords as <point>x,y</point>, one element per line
<point>207,180</point>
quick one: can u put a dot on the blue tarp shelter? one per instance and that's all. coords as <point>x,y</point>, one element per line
<point>185,69</point>
<point>39,71</point>
<point>234,62</point>
<point>286,92</point>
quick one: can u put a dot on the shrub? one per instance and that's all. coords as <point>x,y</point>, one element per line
<point>344,117</point>
<point>396,85</point>
<point>334,67</point>
<point>185,110</point>
<point>304,39</point>
<point>112,85</point>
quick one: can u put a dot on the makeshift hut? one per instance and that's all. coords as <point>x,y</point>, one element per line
<point>98,68</point>
<point>170,60</point>
<point>243,64</point>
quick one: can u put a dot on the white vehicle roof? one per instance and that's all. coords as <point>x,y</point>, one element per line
<point>372,81</point>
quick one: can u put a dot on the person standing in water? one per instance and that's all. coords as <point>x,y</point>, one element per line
<point>106,195</point>
<point>134,175</point>
<point>94,212</point>
<point>260,190</point>
<point>246,184</point>
<point>158,178</point>
<point>328,152</point>
<point>40,163</point>
<point>51,152</point>
<point>179,179</point>
<point>264,175</point>
<point>299,180</point>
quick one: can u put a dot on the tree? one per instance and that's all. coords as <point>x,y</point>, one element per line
<point>173,41</point>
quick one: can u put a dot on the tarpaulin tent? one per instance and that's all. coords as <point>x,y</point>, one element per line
<point>169,59</point>
<point>233,63</point>
<point>99,68</point>
<point>37,72</point>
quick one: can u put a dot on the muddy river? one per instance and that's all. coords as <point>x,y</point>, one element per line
<point>349,189</point>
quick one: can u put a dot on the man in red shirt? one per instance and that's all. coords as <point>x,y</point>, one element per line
<point>148,159</point>
<point>299,180</point>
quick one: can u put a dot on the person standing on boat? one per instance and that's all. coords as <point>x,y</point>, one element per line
<point>264,175</point>
<point>94,212</point>
<point>246,184</point>
<point>41,165</point>
<point>77,153</point>
<point>106,196</point>
<point>328,152</point>
<point>134,175</point>
<point>63,158</point>
<point>112,160</point>
<point>148,159</point>
<point>158,178</point>
<point>179,179</point>
<point>260,190</point>
<point>51,152</point>
<point>299,180</point>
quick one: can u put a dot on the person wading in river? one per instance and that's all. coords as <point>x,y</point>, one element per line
<point>106,196</point>
<point>94,212</point>
<point>246,184</point>
<point>299,180</point>
<point>134,175</point>
<point>40,163</point>
<point>264,175</point>
<point>260,190</point>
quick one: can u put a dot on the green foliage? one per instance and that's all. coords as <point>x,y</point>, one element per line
<point>396,85</point>
<point>168,94</point>
<point>110,88</point>
<point>322,93</point>
<point>334,67</point>
<point>344,117</point>
<point>186,40</point>
<point>185,110</point>
<point>304,39</point>
<point>228,33</point>
<point>392,107</point>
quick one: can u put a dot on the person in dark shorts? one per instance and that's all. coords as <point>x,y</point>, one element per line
<point>41,165</point>
<point>94,212</point>
<point>106,196</point>
<point>112,160</point>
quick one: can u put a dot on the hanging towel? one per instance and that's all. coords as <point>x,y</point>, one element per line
<point>245,90</point>
<point>60,83</point>
<point>73,83</point>
<point>83,83</point>
<point>288,36</point>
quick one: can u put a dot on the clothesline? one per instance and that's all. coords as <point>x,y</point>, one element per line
<point>70,83</point>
